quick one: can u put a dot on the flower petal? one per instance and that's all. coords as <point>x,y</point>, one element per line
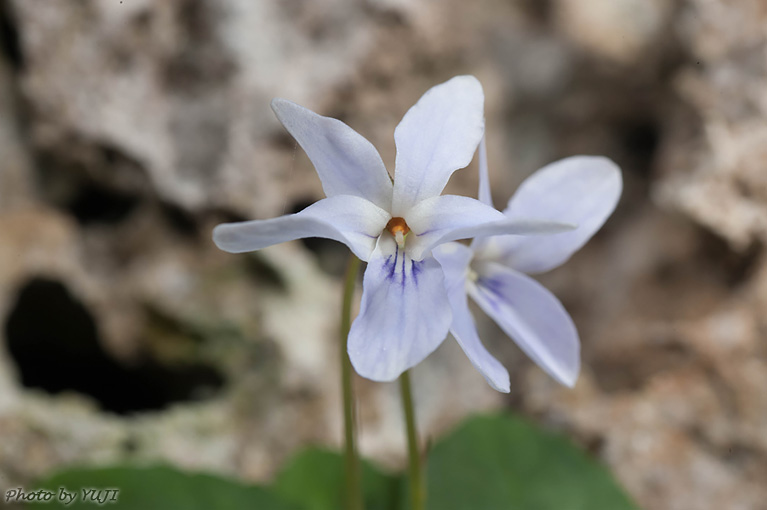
<point>446,218</point>
<point>484,194</point>
<point>582,190</point>
<point>532,316</point>
<point>437,136</point>
<point>348,219</point>
<point>454,259</point>
<point>346,162</point>
<point>404,313</point>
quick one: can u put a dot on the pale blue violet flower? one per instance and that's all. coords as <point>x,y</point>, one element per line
<point>392,225</point>
<point>580,190</point>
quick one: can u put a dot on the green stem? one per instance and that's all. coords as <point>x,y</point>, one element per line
<point>353,481</point>
<point>417,487</point>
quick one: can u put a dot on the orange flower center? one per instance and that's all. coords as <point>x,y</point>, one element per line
<point>397,225</point>
<point>399,229</point>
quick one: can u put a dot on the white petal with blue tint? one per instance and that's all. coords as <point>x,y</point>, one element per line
<point>436,137</point>
<point>484,194</point>
<point>346,162</point>
<point>454,259</point>
<point>404,314</point>
<point>582,190</point>
<point>447,218</point>
<point>345,218</point>
<point>532,316</point>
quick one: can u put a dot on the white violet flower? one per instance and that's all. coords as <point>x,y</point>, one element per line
<point>392,225</point>
<point>580,190</point>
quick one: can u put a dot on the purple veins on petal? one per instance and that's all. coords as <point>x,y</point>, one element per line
<point>493,290</point>
<point>404,274</point>
<point>493,286</point>
<point>401,270</point>
<point>415,268</point>
<point>391,266</point>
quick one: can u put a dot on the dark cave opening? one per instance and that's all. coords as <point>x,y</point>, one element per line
<point>10,45</point>
<point>54,341</point>
<point>94,203</point>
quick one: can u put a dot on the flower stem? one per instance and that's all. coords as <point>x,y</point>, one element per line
<point>352,468</point>
<point>417,487</point>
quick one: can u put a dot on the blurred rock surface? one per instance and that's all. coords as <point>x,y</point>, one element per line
<point>129,129</point>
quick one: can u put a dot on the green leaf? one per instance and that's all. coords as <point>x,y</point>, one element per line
<point>504,463</point>
<point>488,463</point>
<point>158,488</point>
<point>314,480</point>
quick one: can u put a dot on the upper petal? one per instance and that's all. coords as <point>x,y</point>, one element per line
<point>581,190</point>
<point>437,136</point>
<point>346,162</point>
<point>532,316</point>
<point>454,259</point>
<point>349,219</point>
<point>404,314</point>
<point>446,218</point>
<point>483,194</point>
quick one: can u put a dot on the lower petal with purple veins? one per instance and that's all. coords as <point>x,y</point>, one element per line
<point>404,314</point>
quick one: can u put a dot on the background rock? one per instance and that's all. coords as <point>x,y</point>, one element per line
<point>129,129</point>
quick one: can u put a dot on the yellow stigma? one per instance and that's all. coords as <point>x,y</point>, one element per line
<point>399,229</point>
